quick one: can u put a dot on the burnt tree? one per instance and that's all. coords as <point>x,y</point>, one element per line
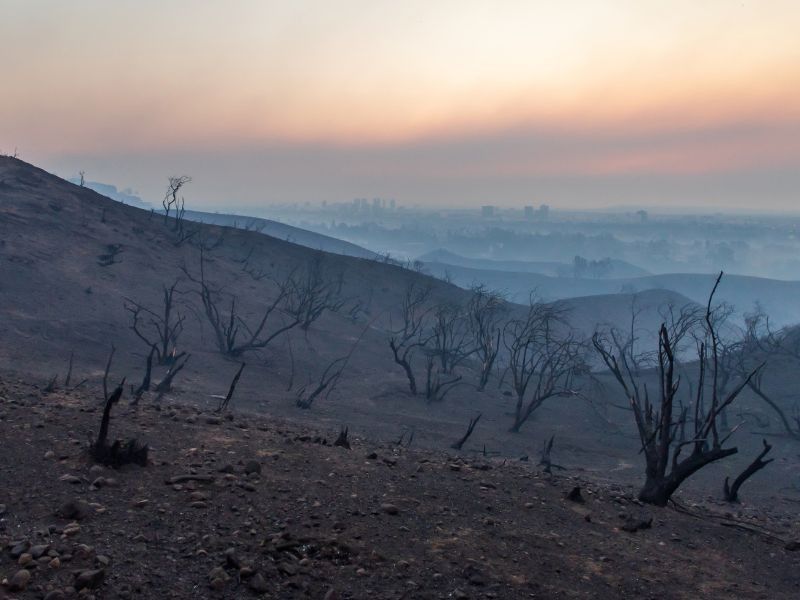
<point>159,328</point>
<point>731,492</point>
<point>544,359</point>
<point>233,335</point>
<point>412,336</point>
<point>485,312</point>
<point>656,422</point>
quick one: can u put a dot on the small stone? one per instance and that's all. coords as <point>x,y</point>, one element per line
<point>55,563</point>
<point>19,548</point>
<point>390,509</point>
<point>331,595</point>
<point>90,579</point>
<point>24,559</point>
<point>55,595</point>
<point>70,479</point>
<point>49,454</point>
<point>74,509</point>
<point>19,581</point>
<point>39,550</point>
<point>72,529</point>
<point>252,466</point>
<point>258,584</point>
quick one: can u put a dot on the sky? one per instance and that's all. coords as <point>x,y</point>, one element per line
<point>578,103</point>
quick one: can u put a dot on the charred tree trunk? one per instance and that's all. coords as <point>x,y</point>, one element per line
<point>732,492</point>
<point>470,428</point>
<point>226,401</point>
<point>145,386</point>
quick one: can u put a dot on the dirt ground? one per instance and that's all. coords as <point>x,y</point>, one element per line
<point>245,505</point>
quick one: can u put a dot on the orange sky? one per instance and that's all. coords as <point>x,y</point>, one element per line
<point>599,88</point>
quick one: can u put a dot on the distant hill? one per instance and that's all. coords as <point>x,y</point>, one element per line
<point>611,267</point>
<point>289,233</point>
<point>777,297</point>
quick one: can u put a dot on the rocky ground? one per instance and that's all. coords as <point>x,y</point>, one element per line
<point>240,505</point>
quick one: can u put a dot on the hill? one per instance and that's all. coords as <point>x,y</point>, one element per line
<point>739,290</point>
<point>612,268</point>
<point>281,231</point>
<point>72,260</point>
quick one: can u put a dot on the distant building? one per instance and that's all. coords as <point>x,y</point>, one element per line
<point>543,212</point>
<point>642,214</point>
<point>487,212</point>
<point>529,213</point>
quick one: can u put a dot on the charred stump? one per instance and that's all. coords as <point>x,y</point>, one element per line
<point>731,492</point>
<point>118,453</point>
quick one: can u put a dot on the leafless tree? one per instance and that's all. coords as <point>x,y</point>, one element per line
<point>232,333</point>
<point>544,359</point>
<point>413,335</point>
<point>171,202</point>
<point>313,292</point>
<point>159,329</point>
<point>782,348</point>
<point>485,312</point>
<point>657,425</point>
<point>329,380</point>
<point>438,383</point>
<point>450,340</point>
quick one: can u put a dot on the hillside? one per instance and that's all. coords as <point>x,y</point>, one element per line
<point>613,268</point>
<point>60,296</point>
<point>742,291</point>
<point>281,231</point>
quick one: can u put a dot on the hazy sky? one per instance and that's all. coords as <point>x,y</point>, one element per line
<point>574,103</point>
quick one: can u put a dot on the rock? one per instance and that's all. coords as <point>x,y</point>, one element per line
<point>72,529</point>
<point>73,509</point>
<point>792,546</point>
<point>633,524</point>
<point>229,468</point>
<point>70,479</point>
<point>213,420</point>
<point>24,559</point>
<point>217,578</point>
<point>258,584</point>
<point>331,595</point>
<point>55,563</point>
<point>370,456</point>
<point>3,509</point>
<point>390,509</point>
<point>90,579</point>
<point>39,550</point>
<point>19,548</point>
<point>19,581</point>
<point>574,495</point>
<point>252,466</point>
<point>55,595</point>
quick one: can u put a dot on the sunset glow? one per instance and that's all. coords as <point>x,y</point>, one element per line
<point>508,91</point>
